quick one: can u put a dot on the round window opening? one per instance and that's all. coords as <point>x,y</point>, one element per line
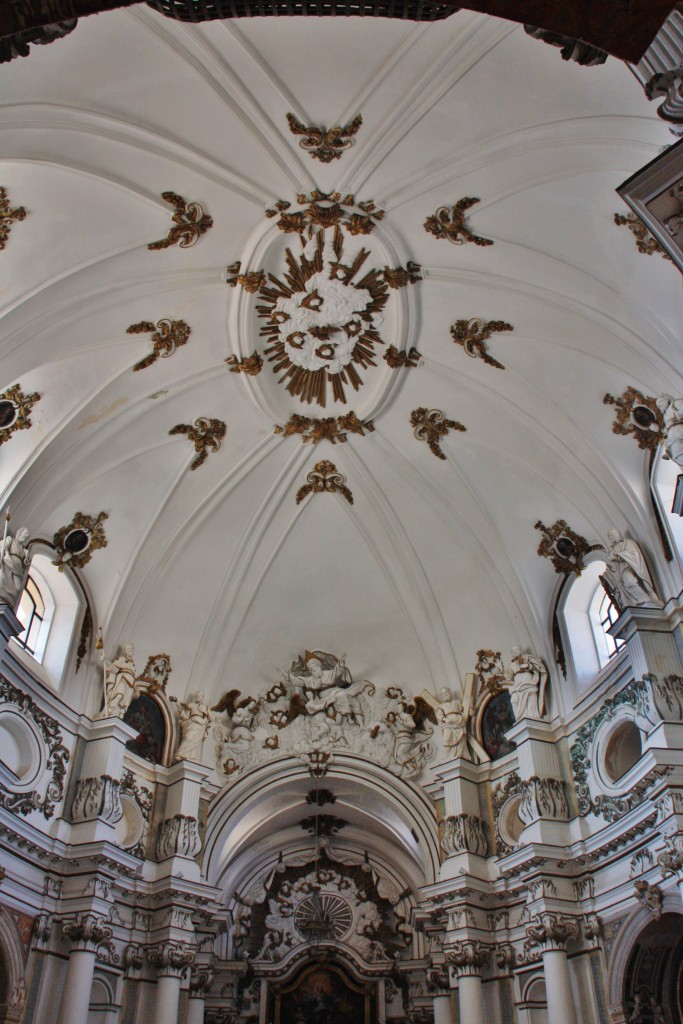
<point>624,749</point>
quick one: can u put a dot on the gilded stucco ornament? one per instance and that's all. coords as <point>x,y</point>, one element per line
<point>206,435</point>
<point>75,543</point>
<point>431,425</point>
<point>251,365</point>
<point>251,281</point>
<point>637,415</point>
<point>473,334</point>
<point>324,477</point>
<point>402,360</point>
<point>190,222</point>
<point>325,144</point>
<point>15,409</point>
<point>449,223</point>
<point>646,242</point>
<point>167,336</point>
<point>8,215</point>
<point>330,428</point>
<point>563,546</point>
<point>326,210</point>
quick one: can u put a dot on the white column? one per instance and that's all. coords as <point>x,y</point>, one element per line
<point>195,1010</point>
<point>471,997</point>
<point>561,1009</point>
<point>77,987</point>
<point>467,958</point>
<point>442,1009</point>
<point>168,997</point>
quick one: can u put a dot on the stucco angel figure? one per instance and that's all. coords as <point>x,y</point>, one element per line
<point>14,564</point>
<point>672,413</point>
<point>453,716</point>
<point>527,676</point>
<point>327,688</point>
<point>120,684</point>
<point>194,719</point>
<point>627,575</point>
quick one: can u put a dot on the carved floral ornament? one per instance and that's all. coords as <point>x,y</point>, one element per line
<point>325,477</point>
<point>190,222</point>
<point>645,241</point>
<point>75,543</point>
<point>564,547</point>
<point>474,333</point>
<point>330,428</point>
<point>449,223</point>
<point>325,144</point>
<point>322,313</point>
<point>639,416</point>
<point>205,434</point>
<point>15,409</point>
<point>8,215</point>
<point>167,336</point>
<point>431,425</point>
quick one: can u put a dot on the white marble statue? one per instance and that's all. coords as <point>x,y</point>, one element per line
<point>453,719</point>
<point>627,574</point>
<point>14,565</point>
<point>119,684</point>
<point>526,679</point>
<point>194,719</point>
<point>672,413</point>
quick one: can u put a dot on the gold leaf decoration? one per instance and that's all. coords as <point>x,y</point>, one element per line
<point>638,415</point>
<point>190,222</point>
<point>168,336</point>
<point>75,543</point>
<point>564,547</point>
<point>331,428</point>
<point>645,241</point>
<point>325,144</point>
<point>7,216</point>
<point>431,425</point>
<point>399,277</point>
<point>490,670</point>
<point>15,409</point>
<point>474,333</point>
<point>397,360</point>
<point>251,365</point>
<point>449,223</point>
<point>251,282</point>
<point>205,434</point>
<point>326,210</point>
<point>324,477</point>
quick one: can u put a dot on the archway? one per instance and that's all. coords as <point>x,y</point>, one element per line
<point>654,974</point>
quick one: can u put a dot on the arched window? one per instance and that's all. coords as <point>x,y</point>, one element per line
<point>48,610</point>
<point>587,613</point>
<point>31,614</point>
<point>603,614</point>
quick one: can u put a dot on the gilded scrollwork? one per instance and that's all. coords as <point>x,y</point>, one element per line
<point>251,365</point>
<point>167,336</point>
<point>637,415</point>
<point>645,241</point>
<point>330,428</point>
<point>325,144</point>
<point>326,210</point>
<point>324,477</point>
<point>205,434</point>
<point>563,546</point>
<point>251,281</point>
<point>473,334</point>
<point>15,409</point>
<point>74,544</point>
<point>399,277</point>
<point>400,360</point>
<point>8,215</point>
<point>190,222</point>
<point>449,223</point>
<point>431,425</point>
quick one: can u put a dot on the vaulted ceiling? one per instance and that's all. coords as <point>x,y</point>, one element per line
<point>435,558</point>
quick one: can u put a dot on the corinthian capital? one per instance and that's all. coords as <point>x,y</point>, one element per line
<point>201,977</point>
<point>87,931</point>
<point>171,958</point>
<point>551,931</point>
<point>467,957</point>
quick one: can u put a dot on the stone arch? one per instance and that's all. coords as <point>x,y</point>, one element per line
<point>625,943</point>
<point>12,969</point>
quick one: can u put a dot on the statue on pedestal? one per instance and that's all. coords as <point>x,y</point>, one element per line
<point>453,716</point>
<point>526,680</point>
<point>119,684</point>
<point>14,565</point>
<point>194,719</point>
<point>672,413</point>
<point>628,579</point>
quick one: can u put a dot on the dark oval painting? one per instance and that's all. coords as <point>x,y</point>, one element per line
<point>145,715</point>
<point>498,717</point>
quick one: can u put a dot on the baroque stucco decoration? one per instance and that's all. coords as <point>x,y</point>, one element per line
<point>431,425</point>
<point>167,336</point>
<point>75,543</point>
<point>563,546</point>
<point>473,334</point>
<point>324,477</point>
<point>325,144</point>
<point>449,223</point>
<point>637,415</point>
<point>8,215</point>
<point>190,222</point>
<point>15,409</point>
<point>205,434</point>
<point>645,241</point>
<point>330,428</point>
<point>318,708</point>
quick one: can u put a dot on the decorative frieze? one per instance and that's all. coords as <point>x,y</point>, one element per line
<point>8,215</point>
<point>449,223</point>
<point>15,409</point>
<point>473,334</point>
<point>463,833</point>
<point>325,144</point>
<point>168,335</point>
<point>205,434</point>
<point>171,958</point>
<point>543,798</point>
<point>637,415</point>
<point>563,546</point>
<point>467,957</point>
<point>324,477</point>
<point>190,222</point>
<point>431,425</point>
<point>330,428</point>
<point>178,837</point>
<point>75,543</point>
<point>55,762</point>
<point>551,931</point>
<point>97,798</point>
<point>87,931</point>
